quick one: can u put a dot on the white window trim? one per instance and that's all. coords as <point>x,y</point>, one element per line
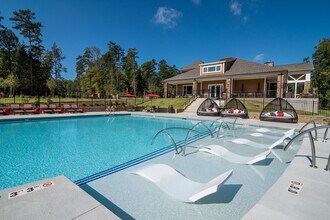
<point>215,66</point>
<point>221,85</point>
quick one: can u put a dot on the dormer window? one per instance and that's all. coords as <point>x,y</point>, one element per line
<point>214,68</point>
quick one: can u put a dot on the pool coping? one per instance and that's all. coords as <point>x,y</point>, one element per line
<point>262,209</point>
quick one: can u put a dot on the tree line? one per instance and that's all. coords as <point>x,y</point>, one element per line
<point>28,68</point>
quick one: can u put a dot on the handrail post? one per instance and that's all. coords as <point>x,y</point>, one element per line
<point>327,168</point>
<point>170,137</point>
<point>325,135</point>
<point>311,139</point>
<point>315,130</point>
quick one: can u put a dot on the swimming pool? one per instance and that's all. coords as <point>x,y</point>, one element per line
<point>78,147</point>
<point>87,148</point>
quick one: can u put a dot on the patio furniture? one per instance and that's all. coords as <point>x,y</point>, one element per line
<point>28,109</point>
<point>232,157</point>
<point>279,110</point>
<point>4,111</point>
<point>44,109</point>
<point>234,108</point>
<point>279,141</point>
<point>208,108</point>
<point>77,109</point>
<point>55,109</point>
<point>15,108</point>
<point>67,108</point>
<point>178,186</point>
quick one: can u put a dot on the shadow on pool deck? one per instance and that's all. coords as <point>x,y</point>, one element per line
<point>107,203</point>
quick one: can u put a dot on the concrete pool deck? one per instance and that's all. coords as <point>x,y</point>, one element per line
<point>312,201</point>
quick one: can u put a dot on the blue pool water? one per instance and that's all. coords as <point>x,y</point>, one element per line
<point>78,147</point>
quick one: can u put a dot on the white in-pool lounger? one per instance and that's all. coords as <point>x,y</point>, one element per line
<point>178,186</point>
<point>258,145</point>
<point>232,157</point>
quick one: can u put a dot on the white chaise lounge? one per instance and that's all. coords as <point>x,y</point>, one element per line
<point>245,141</point>
<point>178,186</point>
<point>232,157</point>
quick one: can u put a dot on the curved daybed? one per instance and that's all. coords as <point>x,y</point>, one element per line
<point>234,108</point>
<point>279,110</point>
<point>208,108</point>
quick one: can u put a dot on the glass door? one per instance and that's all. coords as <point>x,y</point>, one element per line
<point>215,91</point>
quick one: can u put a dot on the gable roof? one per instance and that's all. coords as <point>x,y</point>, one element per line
<point>298,67</point>
<point>236,66</point>
<point>241,66</point>
<point>188,72</point>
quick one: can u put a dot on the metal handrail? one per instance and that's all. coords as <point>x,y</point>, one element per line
<point>170,137</point>
<point>190,130</point>
<point>314,124</point>
<point>234,123</point>
<point>311,139</point>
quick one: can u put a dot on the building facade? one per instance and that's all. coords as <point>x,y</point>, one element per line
<point>233,77</point>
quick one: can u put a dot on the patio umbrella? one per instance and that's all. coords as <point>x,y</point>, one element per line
<point>128,95</point>
<point>151,95</point>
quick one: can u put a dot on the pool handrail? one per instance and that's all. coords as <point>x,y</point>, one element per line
<point>226,122</point>
<point>191,129</point>
<point>314,124</point>
<point>170,137</point>
<point>311,139</point>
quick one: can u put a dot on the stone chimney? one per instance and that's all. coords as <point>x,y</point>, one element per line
<point>269,63</point>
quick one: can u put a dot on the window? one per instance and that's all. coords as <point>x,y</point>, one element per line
<point>214,68</point>
<point>187,90</point>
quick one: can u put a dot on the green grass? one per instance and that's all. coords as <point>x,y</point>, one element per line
<point>177,103</point>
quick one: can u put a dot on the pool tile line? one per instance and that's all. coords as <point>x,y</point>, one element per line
<point>139,160</point>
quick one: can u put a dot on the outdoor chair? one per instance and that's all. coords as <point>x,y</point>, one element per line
<point>15,108</point>
<point>178,186</point>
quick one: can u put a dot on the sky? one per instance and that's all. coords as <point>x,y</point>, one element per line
<point>181,31</point>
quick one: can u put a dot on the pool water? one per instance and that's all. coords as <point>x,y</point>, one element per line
<point>78,147</point>
<point>138,198</point>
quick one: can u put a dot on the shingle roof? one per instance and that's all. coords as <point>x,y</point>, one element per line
<point>298,67</point>
<point>247,67</point>
<point>239,67</point>
<point>188,72</point>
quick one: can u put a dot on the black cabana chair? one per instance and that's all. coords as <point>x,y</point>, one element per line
<point>208,108</point>
<point>279,110</point>
<point>234,108</point>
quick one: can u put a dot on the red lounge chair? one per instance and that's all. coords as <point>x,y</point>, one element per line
<point>5,111</point>
<point>67,108</point>
<point>28,109</point>
<point>44,109</point>
<point>75,107</point>
<point>16,109</point>
<point>54,108</point>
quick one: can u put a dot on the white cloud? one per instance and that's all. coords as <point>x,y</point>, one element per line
<point>168,17</point>
<point>235,7</point>
<point>259,57</point>
<point>245,18</point>
<point>197,2</point>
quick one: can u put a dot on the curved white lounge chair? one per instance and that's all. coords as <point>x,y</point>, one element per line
<point>232,157</point>
<point>178,186</point>
<point>258,145</point>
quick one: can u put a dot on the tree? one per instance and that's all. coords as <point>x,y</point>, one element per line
<point>8,43</point>
<point>321,76</point>
<point>57,67</point>
<point>130,66</point>
<point>31,30</point>
<point>12,82</point>
<point>148,70</point>
<point>52,84</point>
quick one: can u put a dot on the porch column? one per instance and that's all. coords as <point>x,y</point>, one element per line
<point>265,87</point>
<point>195,88</point>
<point>228,88</point>
<point>165,90</point>
<point>281,83</point>
<point>307,83</point>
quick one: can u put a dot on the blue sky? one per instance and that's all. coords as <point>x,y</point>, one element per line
<point>181,31</point>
